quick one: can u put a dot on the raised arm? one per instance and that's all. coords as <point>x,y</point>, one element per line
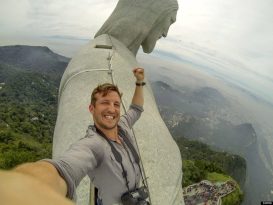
<point>135,110</point>
<point>138,98</point>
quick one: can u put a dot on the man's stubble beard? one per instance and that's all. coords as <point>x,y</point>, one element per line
<point>103,126</point>
<point>107,127</point>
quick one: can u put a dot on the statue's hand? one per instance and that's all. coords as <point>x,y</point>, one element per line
<point>139,74</point>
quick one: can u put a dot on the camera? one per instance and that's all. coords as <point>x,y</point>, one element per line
<point>136,197</point>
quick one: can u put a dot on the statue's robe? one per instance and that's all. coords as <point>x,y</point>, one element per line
<point>105,59</point>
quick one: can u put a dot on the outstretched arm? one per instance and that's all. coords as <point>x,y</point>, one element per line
<point>46,173</point>
<point>32,184</point>
<point>138,98</point>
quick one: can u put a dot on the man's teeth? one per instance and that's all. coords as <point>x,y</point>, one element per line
<point>109,117</point>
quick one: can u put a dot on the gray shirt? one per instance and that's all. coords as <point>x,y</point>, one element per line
<point>92,156</point>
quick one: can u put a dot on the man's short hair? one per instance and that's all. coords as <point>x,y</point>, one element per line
<point>104,89</point>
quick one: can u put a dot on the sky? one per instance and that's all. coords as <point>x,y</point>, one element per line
<point>231,40</point>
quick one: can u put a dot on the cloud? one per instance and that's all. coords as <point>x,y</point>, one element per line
<point>228,37</point>
<point>13,15</point>
<point>229,67</point>
<point>49,17</point>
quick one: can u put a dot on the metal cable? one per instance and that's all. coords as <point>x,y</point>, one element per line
<point>111,73</point>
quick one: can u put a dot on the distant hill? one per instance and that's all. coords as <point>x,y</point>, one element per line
<point>34,58</point>
<point>197,102</point>
<point>202,114</point>
<point>209,97</point>
<point>29,81</point>
<point>217,127</point>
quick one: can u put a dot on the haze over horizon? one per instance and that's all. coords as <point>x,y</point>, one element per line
<point>231,40</point>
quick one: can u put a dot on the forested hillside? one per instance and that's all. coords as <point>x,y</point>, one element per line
<point>28,104</point>
<point>199,160</point>
<point>28,109</point>
<point>29,81</point>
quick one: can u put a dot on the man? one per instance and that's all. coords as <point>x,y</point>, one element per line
<point>44,182</point>
<point>133,24</point>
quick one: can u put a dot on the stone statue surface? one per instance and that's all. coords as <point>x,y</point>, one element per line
<point>140,22</point>
<point>110,57</point>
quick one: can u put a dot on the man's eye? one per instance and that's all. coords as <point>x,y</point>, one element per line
<point>117,104</point>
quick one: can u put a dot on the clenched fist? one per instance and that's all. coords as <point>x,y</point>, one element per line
<point>139,74</point>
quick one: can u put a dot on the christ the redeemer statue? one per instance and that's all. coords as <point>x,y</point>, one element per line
<point>110,57</point>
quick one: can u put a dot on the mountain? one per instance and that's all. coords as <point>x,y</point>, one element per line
<point>192,115</point>
<point>35,59</point>
<point>216,126</point>
<point>202,114</point>
<point>211,160</point>
<point>200,102</point>
<point>29,80</point>
<point>222,135</point>
<point>20,86</point>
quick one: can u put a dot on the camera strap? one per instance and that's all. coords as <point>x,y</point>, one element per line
<point>133,151</point>
<point>122,134</point>
<point>116,154</point>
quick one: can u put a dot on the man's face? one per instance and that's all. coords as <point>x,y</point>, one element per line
<point>106,111</point>
<point>156,33</point>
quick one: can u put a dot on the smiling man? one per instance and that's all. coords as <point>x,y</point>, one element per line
<point>47,180</point>
<point>106,102</point>
<point>105,107</point>
<point>107,173</point>
<point>93,155</point>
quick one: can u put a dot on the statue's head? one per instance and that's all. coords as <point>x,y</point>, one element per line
<point>140,22</point>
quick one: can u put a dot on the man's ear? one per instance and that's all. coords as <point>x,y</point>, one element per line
<point>91,108</point>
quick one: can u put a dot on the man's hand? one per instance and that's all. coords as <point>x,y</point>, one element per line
<point>22,189</point>
<point>139,74</point>
<point>46,173</point>
<point>138,98</point>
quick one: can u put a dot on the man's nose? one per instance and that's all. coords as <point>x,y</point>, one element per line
<point>111,107</point>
